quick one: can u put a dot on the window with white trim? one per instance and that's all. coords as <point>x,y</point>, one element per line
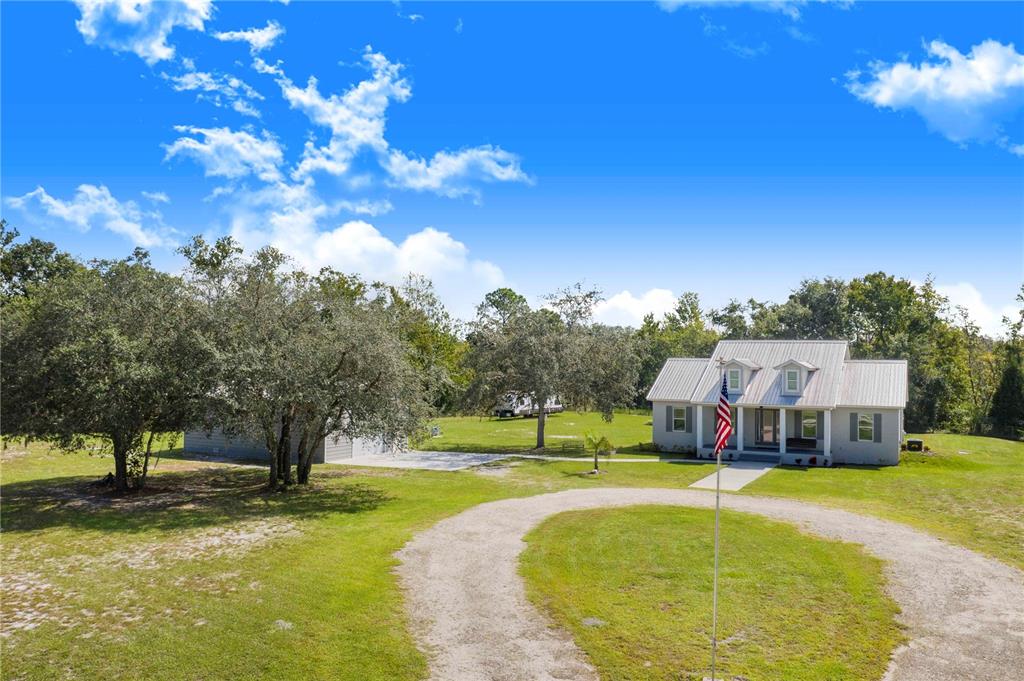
<point>679,419</point>
<point>792,380</point>
<point>734,379</point>
<point>809,424</point>
<point>866,427</point>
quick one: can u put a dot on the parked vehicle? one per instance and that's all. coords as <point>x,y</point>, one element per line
<point>525,406</point>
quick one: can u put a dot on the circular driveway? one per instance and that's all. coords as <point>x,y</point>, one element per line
<point>964,612</point>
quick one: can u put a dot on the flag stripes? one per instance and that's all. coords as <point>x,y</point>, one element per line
<point>723,428</point>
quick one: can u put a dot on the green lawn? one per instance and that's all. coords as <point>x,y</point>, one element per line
<point>975,499</point>
<point>792,607</point>
<point>564,433</point>
<point>299,585</point>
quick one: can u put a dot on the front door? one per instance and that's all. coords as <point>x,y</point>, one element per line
<point>766,427</point>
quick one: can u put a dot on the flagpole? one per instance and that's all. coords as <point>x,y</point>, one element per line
<point>714,588</point>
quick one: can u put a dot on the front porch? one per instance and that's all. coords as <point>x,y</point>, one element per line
<point>769,434</point>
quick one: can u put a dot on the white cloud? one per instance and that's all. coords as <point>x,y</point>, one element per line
<point>222,90</point>
<point>366,207</point>
<point>450,174</point>
<point>157,197</point>
<point>790,8</point>
<point>357,119</point>
<point>458,25</point>
<point>965,97</point>
<point>987,317</point>
<point>93,206</point>
<point>626,309</point>
<point>140,26</point>
<point>225,153</point>
<point>259,39</point>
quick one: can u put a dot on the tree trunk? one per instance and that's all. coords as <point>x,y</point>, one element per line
<point>284,450</point>
<point>305,458</point>
<point>272,445</point>
<point>145,461</point>
<point>541,420</point>
<point>120,468</point>
<point>595,458</point>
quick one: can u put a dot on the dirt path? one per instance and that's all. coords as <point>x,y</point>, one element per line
<point>964,613</point>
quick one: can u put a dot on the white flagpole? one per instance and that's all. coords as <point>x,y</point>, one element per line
<point>718,488</point>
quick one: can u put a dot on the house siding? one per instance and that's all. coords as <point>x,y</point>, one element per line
<point>884,453</point>
<point>216,443</point>
<point>335,448</point>
<point>672,441</point>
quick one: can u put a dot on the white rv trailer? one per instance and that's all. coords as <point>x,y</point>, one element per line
<point>513,405</point>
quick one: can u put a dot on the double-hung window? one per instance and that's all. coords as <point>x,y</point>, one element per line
<point>679,419</point>
<point>792,380</point>
<point>866,427</point>
<point>809,424</point>
<point>734,380</point>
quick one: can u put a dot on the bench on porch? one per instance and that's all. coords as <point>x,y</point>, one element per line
<point>801,443</point>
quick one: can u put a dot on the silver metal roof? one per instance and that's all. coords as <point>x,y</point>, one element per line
<point>874,383</point>
<point>677,378</point>
<point>835,380</point>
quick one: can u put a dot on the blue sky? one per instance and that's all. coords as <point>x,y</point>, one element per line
<point>648,149</point>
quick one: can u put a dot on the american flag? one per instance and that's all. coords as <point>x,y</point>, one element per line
<point>724,428</point>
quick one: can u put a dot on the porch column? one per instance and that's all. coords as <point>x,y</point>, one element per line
<point>782,431</point>
<point>699,412</point>
<point>828,432</point>
<point>739,429</point>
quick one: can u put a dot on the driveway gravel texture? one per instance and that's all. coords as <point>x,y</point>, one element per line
<point>963,612</point>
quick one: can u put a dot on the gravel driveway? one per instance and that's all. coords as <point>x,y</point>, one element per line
<point>964,612</point>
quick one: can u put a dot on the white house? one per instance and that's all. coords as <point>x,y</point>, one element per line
<point>799,402</point>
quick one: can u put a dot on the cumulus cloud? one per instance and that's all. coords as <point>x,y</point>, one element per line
<point>221,90</point>
<point>965,97</point>
<point>366,207</point>
<point>94,206</point>
<point>450,173</point>
<point>140,26</point>
<point>988,317</point>
<point>626,309</point>
<point>287,216</point>
<point>157,197</point>
<point>231,154</point>
<point>259,39</point>
<point>356,117</point>
<point>357,120</point>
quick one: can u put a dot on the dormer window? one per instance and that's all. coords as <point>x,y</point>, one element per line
<point>792,380</point>
<point>735,380</point>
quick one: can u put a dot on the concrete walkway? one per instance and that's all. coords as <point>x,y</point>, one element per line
<point>457,461</point>
<point>736,475</point>
<point>427,461</point>
<point>963,612</point>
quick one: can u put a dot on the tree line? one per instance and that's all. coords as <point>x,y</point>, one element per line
<point>117,351</point>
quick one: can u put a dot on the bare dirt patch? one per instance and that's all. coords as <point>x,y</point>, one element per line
<point>29,598</point>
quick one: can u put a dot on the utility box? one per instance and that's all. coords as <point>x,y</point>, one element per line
<point>915,445</point>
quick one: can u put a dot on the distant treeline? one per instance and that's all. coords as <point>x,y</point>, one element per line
<point>118,350</point>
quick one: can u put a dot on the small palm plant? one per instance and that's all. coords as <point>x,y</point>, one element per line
<point>598,443</point>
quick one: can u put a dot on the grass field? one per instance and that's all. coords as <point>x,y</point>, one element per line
<point>564,433</point>
<point>793,607</point>
<point>298,585</point>
<point>975,499</point>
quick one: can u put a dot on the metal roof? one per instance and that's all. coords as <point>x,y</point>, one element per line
<point>835,381</point>
<point>677,378</point>
<point>874,383</point>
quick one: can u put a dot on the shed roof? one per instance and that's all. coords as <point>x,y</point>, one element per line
<point>874,383</point>
<point>676,378</point>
